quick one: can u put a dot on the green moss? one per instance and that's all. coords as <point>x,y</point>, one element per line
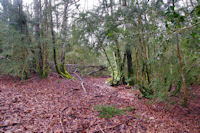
<point>64,74</point>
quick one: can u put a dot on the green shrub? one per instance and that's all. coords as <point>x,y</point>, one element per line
<point>110,111</point>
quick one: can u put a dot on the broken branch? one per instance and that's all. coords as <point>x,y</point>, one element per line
<point>82,82</point>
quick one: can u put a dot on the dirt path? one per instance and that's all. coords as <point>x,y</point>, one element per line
<point>36,106</point>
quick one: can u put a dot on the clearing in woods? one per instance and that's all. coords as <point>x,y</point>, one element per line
<point>59,105</point>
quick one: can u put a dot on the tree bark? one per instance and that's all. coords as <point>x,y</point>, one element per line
<point>63,32</point>
<point>109,62</point>
<point>181,71</point>
<point>54,47</point>
<point>129,64</point>
<point>120,64</point>
<point>137,68</point>
<point>37,7</point>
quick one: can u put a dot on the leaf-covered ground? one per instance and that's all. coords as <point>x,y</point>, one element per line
<point>56,105</point>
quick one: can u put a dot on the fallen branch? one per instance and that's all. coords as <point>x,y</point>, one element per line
<point>106,128</point>
<point>10,125</point>
<point>76,65</point>
<point>101,129</point>
<point>61,123</point>
<point>61,119</point>
<point>82,82</point>
<point>111,127</point>
<point>100,69</point>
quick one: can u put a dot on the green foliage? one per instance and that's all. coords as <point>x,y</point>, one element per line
<point>16,54</point>
<point>110,111</point>
<point>100,37</point>
<point>42,74</point>
<point>82,55</point>
<point>159,71</point>
<point>146,91</point>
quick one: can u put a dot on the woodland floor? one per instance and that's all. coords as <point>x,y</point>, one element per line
<point>48,105</point>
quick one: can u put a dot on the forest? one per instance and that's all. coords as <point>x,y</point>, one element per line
<point>100,66</point>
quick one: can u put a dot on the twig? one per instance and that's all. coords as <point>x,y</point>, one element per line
<point>61,119</point>
<point>64,109</point>
<point>13,124</point>
<point>101,129</point>
<point>111,127</point>
<point>184,28</point>
<point>61,123</point>
<point>82,82</point>
<point>165,31</point>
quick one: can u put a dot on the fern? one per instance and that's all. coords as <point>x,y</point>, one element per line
<point>110,111</point>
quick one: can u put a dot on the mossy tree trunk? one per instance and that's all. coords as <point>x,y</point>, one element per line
<point>120,64</point>
<point>65,73</point>
<point>64,30</point>
<point>145,70</point>
<point>110,64</point>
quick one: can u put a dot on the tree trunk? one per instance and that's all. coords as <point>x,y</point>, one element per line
<point>145,73</point>
<point>37,7</point>
<point>44,44</point>
<point>129,64</point>
<point>109,62</point>
<point>120,65</point>
<point>54,47</point>
<point>137,68</point>
<point>181,71</point>
<point>64,29</point>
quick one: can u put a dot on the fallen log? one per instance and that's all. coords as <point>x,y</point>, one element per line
<point>84,66</point>
<point>95,71</point>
